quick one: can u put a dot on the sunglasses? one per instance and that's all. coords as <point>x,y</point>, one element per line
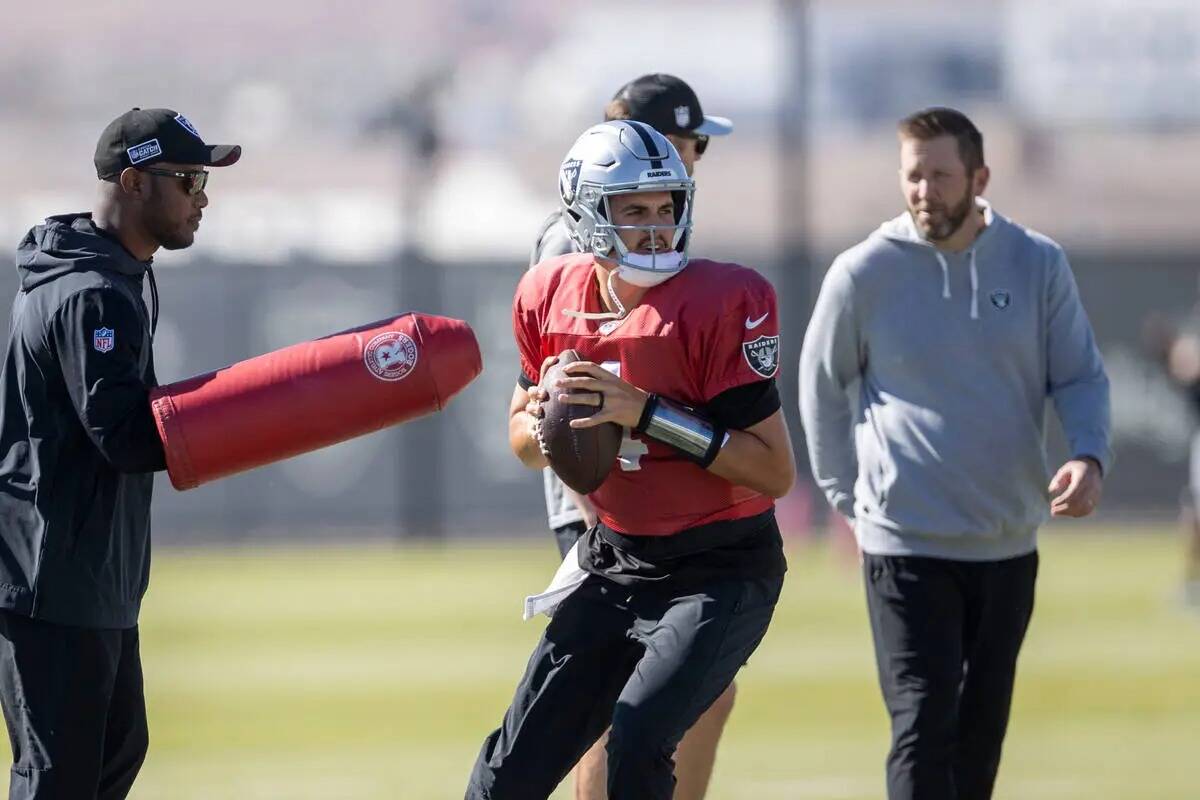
<point>700,139</point>
<point>193,182</point>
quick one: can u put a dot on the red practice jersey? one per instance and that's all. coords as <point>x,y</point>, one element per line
<point>710,328</point>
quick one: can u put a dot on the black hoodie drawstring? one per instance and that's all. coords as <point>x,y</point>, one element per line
<point>153,301</point>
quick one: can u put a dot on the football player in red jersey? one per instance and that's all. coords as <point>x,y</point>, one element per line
<point>669,105</point>
<point>685,567</point>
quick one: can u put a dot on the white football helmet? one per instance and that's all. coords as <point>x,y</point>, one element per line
<point>623,157</point>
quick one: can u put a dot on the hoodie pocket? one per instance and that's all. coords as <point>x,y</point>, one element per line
<point>873,470</point>
<point>91,513</point>
<point>16,469</point>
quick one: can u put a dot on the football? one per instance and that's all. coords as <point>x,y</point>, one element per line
<point>581,457</point>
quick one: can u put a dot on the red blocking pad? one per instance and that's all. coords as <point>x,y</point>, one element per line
<point>312,395</point>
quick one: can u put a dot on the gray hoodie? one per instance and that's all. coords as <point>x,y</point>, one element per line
<point>923,385</point>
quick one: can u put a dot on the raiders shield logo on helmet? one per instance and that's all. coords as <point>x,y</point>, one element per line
<point>762,355</point>
<point>568,180</point>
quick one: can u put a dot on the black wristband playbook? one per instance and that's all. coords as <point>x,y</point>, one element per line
<point>695,436</point>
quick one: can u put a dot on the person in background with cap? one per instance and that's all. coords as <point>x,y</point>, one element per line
<point>669,105</point>
<point>78,449</point>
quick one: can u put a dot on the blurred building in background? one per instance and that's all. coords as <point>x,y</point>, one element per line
<point>402,156</point>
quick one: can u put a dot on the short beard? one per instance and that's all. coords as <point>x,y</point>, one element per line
<point>167,237</point>
<point>955,217</point>
<point>176,242</point>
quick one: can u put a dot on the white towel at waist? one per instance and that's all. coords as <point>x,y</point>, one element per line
<point>566,580</point>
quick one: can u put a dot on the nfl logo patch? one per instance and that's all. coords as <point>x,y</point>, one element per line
<point>103,339</point>
<point>683,116</point>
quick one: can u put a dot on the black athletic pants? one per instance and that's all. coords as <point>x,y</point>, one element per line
<point>73,702</point>
<point>947,634</point>
<point>644,658</point>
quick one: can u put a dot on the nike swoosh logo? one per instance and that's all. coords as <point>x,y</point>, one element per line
<point>752,324</point>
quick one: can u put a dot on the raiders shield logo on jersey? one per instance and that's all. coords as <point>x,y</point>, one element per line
<point>568,180</point>
<point>762,355</point>
<point>1001,299</point>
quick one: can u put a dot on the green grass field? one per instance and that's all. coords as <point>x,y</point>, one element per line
<point>375,672</point>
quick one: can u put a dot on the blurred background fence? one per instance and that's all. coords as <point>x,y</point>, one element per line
<point>401,156</point>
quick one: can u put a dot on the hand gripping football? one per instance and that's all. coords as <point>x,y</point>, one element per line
<point>581,457</point>
<point>312,395</point>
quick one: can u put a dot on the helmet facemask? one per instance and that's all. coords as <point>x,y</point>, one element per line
<point>619,158</point>
<point>647,269</point>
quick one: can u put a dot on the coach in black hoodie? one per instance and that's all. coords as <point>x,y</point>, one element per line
<point>78,449</point>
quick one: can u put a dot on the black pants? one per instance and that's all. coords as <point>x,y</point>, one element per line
<point>644,658</point>
<point>75,710</point>
<point>947,634</point>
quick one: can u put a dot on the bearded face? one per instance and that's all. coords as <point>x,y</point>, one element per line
<point>170,214</point>
<point>938,188</point>
<point>938,221</point>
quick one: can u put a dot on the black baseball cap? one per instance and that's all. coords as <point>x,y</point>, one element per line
<point>670,106</point>
<point>141,137</point>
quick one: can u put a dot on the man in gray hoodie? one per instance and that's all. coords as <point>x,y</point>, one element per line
<point>924,377</point>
